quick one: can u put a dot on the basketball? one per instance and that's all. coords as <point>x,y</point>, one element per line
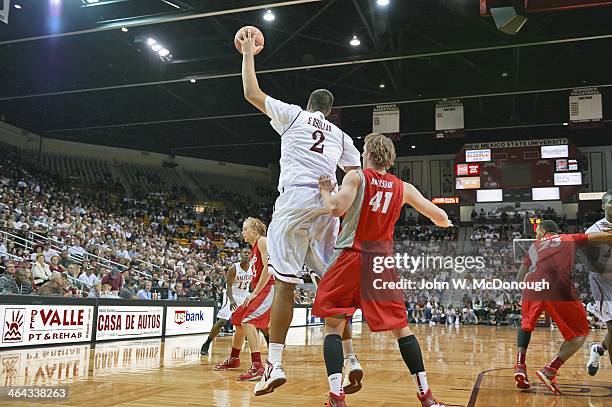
<point>259,38</point>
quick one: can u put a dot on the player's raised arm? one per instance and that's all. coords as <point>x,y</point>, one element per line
<point>229,279</point>
<point>338,204</point>
<point>252,92</point>
<point>413,197</point>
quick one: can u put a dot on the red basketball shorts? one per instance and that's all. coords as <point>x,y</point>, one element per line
<point>349,283</point>
<point>570,316</point>
<point>257,313</point>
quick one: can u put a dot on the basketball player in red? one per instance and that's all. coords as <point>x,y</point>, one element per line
<point>551,258</point>
<point>372,200</point>
<point>254,313</point>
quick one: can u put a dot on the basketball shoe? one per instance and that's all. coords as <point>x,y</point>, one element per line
<point>336,401</point>
<point>227,364</point>
<point>273,377</point>
<point>352,375</point>
<point>255,372</point>
<point>548,376</point>
<point>520,377</point>
<point>595,353</point>
<point>427,400</point>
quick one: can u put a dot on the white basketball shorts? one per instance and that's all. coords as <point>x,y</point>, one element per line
<point>300,235</point>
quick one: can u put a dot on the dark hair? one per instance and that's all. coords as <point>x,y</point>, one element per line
<point>321,100</point>
<point>606,197</point>
<point>550,226</point>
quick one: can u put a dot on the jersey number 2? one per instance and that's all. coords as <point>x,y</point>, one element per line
<point>320,138</point>
<point>377,199</point>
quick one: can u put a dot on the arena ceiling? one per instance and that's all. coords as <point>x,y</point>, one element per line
<point>69,71</point>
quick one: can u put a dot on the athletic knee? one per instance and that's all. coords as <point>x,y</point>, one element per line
<point>402,332</point>
<point>334,326</point>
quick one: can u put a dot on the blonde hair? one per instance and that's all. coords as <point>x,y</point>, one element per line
<point>257,225</point>
<point>381,150</point>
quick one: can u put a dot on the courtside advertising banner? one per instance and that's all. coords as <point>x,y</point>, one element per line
<point>24,325</point>
<point>123,322</point>
<point>189,320</point>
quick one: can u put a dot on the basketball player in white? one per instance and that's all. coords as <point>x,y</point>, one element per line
<point>237,279</point>
<point>298,235</point>
<point>600,277</point>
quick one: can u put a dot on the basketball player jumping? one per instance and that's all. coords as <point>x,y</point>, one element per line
<point>600,277</point>
<point>552,258</point>
<point>238,279</point>
<point>372,200</point>
<point>255,310</point>
<point>299,236</point>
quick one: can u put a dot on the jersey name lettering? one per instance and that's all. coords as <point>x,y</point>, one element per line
<point>313,121</point>
<point>381,183</point>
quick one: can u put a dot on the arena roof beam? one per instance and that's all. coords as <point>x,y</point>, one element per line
<point>161,19</point>
<point>299,30</point>
<point>320,66</point>
<point>351,106</point>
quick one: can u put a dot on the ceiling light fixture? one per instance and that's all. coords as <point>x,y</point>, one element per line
<point>163,52</point>
<point>269,16</point>
<point>17,6</point>
<point>383,3</point>
<point>355,41</point>
<point>124,29</point>
<point>156,47</point>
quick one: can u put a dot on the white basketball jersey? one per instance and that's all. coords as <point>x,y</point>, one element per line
<point>242,281</point>
<point>605,250</point>
<point>311,146</point>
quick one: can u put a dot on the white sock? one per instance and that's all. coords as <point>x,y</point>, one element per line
<point>420,379</point>
<point>347,348</point>
<point>275,352</point>
<point>335,383</point>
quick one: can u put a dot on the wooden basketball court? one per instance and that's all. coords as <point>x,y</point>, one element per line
<point>467,366</point>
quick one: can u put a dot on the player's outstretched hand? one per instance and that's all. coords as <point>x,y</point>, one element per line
<point>446,224</point>
<point>326,184</point>
<point>248,300</point>
<point>248,43</point>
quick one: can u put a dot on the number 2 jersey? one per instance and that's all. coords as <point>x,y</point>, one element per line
<point>311,146</point>
<point>553,258</point>
<point>370,221</point>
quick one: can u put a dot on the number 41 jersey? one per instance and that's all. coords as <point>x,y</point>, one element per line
<point>369,223</point>
<point>311,146</point>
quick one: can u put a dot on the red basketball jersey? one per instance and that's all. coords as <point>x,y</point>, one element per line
<point>369,223</point>
<point>256,265</point>
<point>552,258</point>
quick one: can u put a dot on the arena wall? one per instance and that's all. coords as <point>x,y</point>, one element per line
<point>28,141</point>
